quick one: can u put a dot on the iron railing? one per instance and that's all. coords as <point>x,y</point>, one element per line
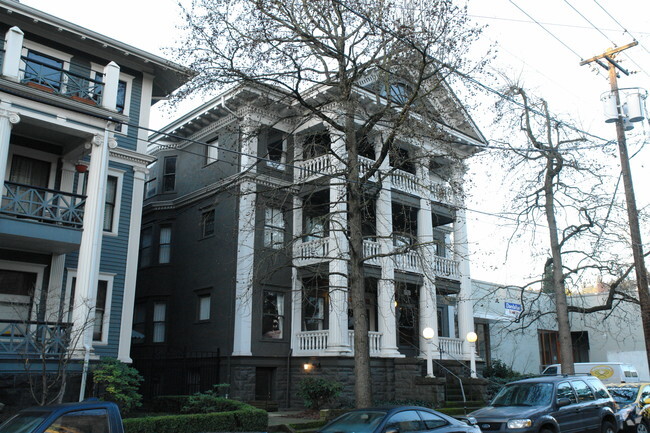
<point>34,338</point>
<point>50,78</point>
<point>43,204</point>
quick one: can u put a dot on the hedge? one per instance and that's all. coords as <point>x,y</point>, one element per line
<point>169,403</point>
<point>243,420</point>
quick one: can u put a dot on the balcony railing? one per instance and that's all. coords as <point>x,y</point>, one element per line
<point>372,249</point>
<point>315,342</point>
<point>51,78</point>
<point>314,168</point>
<point>374,342</point>
<point>408,261</point>
<point>311,252</point>
<point>42,204</point>
<point>444,194</point>
<point>450,347</point>
<point>444,267</point>
<point>42,339</point>
<point>405,182</point>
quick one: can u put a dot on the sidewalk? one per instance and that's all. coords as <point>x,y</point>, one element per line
<point>287,417</point>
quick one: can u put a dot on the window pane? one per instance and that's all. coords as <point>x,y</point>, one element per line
<point>405,421</point>
<point>583,391</point>
<point>43,69</point>
<point>169,174</point>
<point>207,223</point>
<point>164,251</point>
<point>274,228</point>
<point>204,307</point>
<point>273,315</point>
<point>212,151</point>
<point>109,205</point>
<point>100,309</point>
<point>159,312</point>
<point>432,421</point>
<point>93,420</point>
<point>145,246</point>
<point>564,390</point>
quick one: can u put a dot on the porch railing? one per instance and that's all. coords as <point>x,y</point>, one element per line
<point>43,339</point>
<point>46,205</point>
<point>313,251</point>
<point>374,342</point>
<point>408,261</point>
<point>405,182</point>
<point>313,340</point>
<point>451,346</point>
<point>372,249</point>
<point>314,167</point>
<point>444,267</point>
<point>54,79</point>
<point>444,194</point>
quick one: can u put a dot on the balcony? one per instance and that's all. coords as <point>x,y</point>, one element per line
<point>40,219</point>
<point>314,343</point>
<point>33,339</point>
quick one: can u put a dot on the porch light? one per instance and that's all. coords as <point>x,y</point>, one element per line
<point>428,334</point>
<point>309,366</point>
<point>471,338</point>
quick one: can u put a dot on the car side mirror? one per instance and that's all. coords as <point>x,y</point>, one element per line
<point>561,402</point>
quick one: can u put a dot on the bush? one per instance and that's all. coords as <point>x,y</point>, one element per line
<point>499,373</point>
<point>169,403</point>
<point>247,419</point>
<point>209,401</point>
<point>317,391</point>
<point>117,382</point>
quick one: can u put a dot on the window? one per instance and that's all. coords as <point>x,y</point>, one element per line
<point>272,315</point>
<point>89,420</point>
<point>100,310</point>
<point>165,244</point>
<point>146,240</point>
<point>169,174</point>
<point>564,390</point>
<point>16,292</point>
<point>405,421</point>
<point>150,181</point>
<point>139,323</point>
<point>120,104</point>
<point>315,227</point>
<point>274,228</point>
<point>314,311</point>
<point>316,145</point>
<point>583,391</point>
<point>204,307</point>
<point>212,151</point>
<point>275,150</point>
<point>159,313</point>
<point>401,160</point>
<point>109,205</point>
<point>431,421</point>
<point>207,223</point>
<point>43,69</point>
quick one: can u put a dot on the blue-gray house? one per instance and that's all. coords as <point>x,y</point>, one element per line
<point>73,160</point>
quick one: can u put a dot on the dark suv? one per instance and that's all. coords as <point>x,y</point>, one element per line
<point>550,404</point>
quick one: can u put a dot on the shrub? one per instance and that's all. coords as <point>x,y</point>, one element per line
<point>246,419</point>
<point>209,401</point>
<point>169,403</point>
<point>501,370</point>
<point>118,382</point>
<point>317,391</point>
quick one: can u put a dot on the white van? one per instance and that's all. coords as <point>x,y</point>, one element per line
<point>607,372</point>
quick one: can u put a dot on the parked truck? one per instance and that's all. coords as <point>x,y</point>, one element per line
<point>83,417</point>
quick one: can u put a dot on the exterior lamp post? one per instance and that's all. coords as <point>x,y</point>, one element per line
<point>427,333</point>
<point>471,338</point>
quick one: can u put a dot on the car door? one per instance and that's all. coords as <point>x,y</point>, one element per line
<point>567,416</point>
<point>588,408</point>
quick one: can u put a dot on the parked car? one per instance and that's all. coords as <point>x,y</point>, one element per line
<point>87,416</point>
<point>400,419</point>
<point>633,401</point>
<point>550,404</point>
<point>607,372</point>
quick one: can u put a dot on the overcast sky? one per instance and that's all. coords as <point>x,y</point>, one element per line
<point>538,42</point>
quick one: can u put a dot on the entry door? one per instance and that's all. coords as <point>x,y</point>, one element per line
<point>264,378</point>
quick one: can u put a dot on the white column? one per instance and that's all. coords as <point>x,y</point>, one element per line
<point>296,282</point>
<point>338,252</point>
<point>428,305</point>
<point>91,243</point>
<point>53,304</point>
<point>7,120</point>
<point>246,245</point>
<point>386,320</point>
<point>133,249</point>
<point>13,51</point>
<point>111,79</point>
<point>465,308</point>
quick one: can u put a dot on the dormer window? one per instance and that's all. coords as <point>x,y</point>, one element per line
<point>396,92</point>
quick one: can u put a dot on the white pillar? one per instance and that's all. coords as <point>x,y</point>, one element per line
<point>13,51</point>
<point>386,320</point>
<point>246,245</point>
<point>133,249</point>
<point>91,243</point>
<point>428,304</point>
<point>111,79</point>
<point>338,340</point>
<point>465,308</point>
<point>7,120</point>
<point>296,282</point>
<point>53,304</point>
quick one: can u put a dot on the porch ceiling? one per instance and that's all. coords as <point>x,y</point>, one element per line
<point>29,235</point>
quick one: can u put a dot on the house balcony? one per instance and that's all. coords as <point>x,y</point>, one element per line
<point>324,165</point>
<point>33,339</point>
<point>318,251</point>
<point>314,343</point>
<point>40,219</point>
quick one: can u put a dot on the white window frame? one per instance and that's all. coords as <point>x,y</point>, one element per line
<point>43,49</point>
<point>119,174</point>
<point>271,230</point>
<point>212,151</point>
<point>35,154</point>
<point>33,268</point>
<point>103,276</point>
<point>203,308</point>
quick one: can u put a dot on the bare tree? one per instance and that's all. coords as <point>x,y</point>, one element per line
<point>316,55</point>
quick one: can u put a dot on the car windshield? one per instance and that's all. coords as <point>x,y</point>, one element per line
<point>524,394</point>
<point>355,422</point>
<point>624,394</point>
<point>23,422</point>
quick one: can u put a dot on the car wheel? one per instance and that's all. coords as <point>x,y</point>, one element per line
<point>546,430</point>
<point>607,427</point>
<point>642,427</point>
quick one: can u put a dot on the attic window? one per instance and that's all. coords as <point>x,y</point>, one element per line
<point>397,92</point>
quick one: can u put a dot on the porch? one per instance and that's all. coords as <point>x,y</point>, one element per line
<point>31,339</point>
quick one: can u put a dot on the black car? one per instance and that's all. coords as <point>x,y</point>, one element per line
<point>400,419</point>
<point>550,404</point>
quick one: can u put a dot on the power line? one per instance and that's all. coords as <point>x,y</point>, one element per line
<point>515,20</point>
<point>620,25</point>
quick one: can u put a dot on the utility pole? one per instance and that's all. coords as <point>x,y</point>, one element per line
<point>633,216</point>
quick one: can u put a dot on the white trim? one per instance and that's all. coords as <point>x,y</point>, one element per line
<point>49,51</point>
<point>34,268</point>
<point>102,276</point>
<point>119,174</point>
